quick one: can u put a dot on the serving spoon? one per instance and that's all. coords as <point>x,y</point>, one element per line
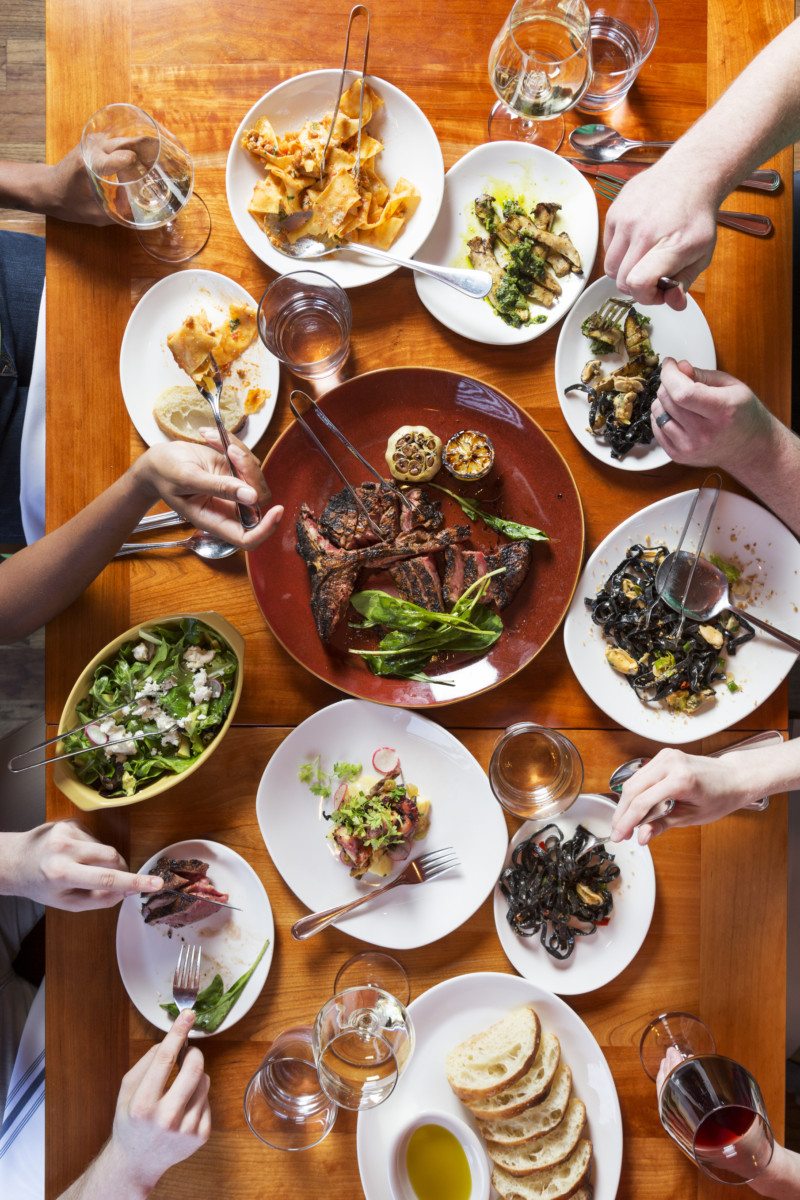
<point>204,545</point>
<point>601,143</point>
<point>475,284</point>
<point>695,588</point>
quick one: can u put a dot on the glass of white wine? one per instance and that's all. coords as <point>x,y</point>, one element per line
<point>143,177</point>
<point>540,65</point>
<point>363,1041</point>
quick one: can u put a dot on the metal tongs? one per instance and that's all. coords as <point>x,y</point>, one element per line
<point>309,404</point>
<point>60,737</point>
<point>714,483</point>
<point>354,12</point>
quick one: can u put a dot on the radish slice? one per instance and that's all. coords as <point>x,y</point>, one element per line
<point>215,687</point>
<point>96,736</point>
<point>340,795</point>
<point>385,760</point>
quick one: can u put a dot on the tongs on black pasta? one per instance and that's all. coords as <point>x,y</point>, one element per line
<point>307,404</point>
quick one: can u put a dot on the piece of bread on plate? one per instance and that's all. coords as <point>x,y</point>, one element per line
<point>181,412</point>
<point>568,1178</point>
<point>527,1090</point>
<point>543,1153</point>
<point>536,1121</point>
<point>492,1060</point>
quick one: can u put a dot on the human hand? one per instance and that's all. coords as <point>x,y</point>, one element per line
<point>704,789</point>
<point>156,1126</point>
<point>195,481</point>
<point>715,420</point>
<point>63,866</point>
<point>659,227</point>
<point>66,191</point>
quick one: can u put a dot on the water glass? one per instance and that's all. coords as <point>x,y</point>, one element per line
<point>623,35</point>
<point>284,1104</point>
<point>305,319</point>
<point>535,772</point>
<point>363,1041</point>
<point>709,1105</point>
<point>143,177</point>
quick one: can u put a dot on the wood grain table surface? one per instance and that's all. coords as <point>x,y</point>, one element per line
<point>717,943</point>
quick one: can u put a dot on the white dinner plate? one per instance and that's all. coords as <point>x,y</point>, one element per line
<point>597,959</point>
<point>674,334</point>
<point>526,171</point>
<point>464,815</point>
<point>147,954</point>
<point>146,365</point>
<point>410,150</point>
<point>740,530</point>
<point>449,1013</point>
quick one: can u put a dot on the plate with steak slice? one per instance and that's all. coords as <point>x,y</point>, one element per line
<point>326,549</point>
<point>152,927</point>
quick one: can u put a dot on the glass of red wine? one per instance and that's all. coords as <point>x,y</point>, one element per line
<point>709,1104</point>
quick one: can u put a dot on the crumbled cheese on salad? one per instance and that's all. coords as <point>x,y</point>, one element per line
<point>142,652</point>
<point>200,691</point>
<point>195,657</point>
<point>113,731</point>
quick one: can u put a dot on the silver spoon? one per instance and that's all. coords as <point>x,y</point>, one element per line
<point>707,594</point>
<point>204,545</point>
<point>475,284</point>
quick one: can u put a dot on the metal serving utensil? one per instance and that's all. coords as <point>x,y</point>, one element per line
<point>248,516</point>
<point>764,180</point>
<point>45,762</point>
<point>204,545</point>
<point>756,224</point>
<point>419,870</point>
<point>206,899</point>
<point>160,521</point>
<point>664,580</point>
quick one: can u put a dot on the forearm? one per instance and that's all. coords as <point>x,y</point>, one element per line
<point>107,1176</point>
<point>781,1179</point>
<point>765,772</point>
<point>772,473</point>
<point>758,115</point>
<point>24,185</point>
<point>43,579</point>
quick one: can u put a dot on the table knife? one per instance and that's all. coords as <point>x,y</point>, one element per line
<point>763,180</point>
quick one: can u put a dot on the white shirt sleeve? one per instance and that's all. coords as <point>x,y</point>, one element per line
<point>32,450</point>
<point>22,1130</point>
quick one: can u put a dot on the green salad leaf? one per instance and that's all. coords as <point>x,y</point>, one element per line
<point>729,569</point>
<point>213,1004</point>
<point>319,781</point>
<point>512,529</point>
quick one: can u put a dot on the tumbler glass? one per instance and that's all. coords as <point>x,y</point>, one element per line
<point>305,319</point>
<point>623,35</point>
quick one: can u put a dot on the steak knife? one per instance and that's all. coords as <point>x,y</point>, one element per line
<point>763,180</point>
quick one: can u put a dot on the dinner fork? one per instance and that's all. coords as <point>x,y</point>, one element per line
<point>248,516</point>
<point>419,870</point>
<point>755,224</point>
<point>186,980</point>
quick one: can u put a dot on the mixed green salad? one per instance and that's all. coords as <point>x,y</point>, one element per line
<point>213,1004</point>
<point>154,707</point>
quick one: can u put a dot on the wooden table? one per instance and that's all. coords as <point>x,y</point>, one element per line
<point>717,943</point>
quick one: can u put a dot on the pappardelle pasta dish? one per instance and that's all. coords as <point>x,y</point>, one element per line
<point>341,206</point>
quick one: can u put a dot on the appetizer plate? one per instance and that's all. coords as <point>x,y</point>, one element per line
<point>674,334</point>
<point>64,776</point>
<point>146,365</point>
<point>597,959</point>
<point>769,554</point>
<point>448,1014</point>
<point>536,488</point>
<point>411,150</point>
<point>147,954</point>
<point>464,815</point>
<point>516,169</point>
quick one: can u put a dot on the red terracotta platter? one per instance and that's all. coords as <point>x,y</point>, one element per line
<point>535,487</point>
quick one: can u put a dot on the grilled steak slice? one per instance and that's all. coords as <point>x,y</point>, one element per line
<point>418,580</point>
<point>411,545</point>
<point>344,523</point>
<point>186,902</point>
<point>428,513</point>
<point>332,573</point>
<point>516,557</point>
<point>461,568</point>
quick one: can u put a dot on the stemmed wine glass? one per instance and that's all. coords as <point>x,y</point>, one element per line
<point>143,177</point>
<point>540,64</point>
<point>710,1105</point>
<point>352,1057</point>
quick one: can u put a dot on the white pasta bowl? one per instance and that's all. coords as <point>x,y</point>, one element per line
<point>411,150</point>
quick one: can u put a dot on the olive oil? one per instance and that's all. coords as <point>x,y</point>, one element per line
<point>437,1165</point>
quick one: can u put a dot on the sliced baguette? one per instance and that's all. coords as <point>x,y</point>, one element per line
<point>526,1091</point>
<point>490,1061</point>
<point>543,1153</point>
<point>181,412</point>
<point>534,1122</point>
<point>557,1183</point>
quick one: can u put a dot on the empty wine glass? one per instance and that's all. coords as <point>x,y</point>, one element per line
<point>144,178</point>
<point>363,1041</point>
<point>540,64</point>
<point>710,1105</point>
<point>284,1104</point>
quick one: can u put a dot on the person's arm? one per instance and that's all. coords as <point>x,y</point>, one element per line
<point>62,190</point>
<point>664,220</point>
<point>154,1126</point>
<point>781,1180</point>
<point>43,579</point>
<point>704,789</point>
<point>716,420</point>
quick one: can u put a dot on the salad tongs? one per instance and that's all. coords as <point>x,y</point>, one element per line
<point>44,762</point>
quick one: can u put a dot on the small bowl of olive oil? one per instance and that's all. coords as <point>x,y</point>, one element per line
<point>438,1157</point>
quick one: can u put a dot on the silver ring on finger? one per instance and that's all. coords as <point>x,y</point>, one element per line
<point>662,419</point>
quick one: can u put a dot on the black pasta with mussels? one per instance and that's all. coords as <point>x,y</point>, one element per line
<point>662,655</point>
<point>555,892</point>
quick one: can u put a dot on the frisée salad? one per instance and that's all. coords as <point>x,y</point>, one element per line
<point>154,707</point>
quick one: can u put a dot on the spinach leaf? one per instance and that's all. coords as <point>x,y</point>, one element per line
<point>512,529</point>
<point>213,1004</point>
